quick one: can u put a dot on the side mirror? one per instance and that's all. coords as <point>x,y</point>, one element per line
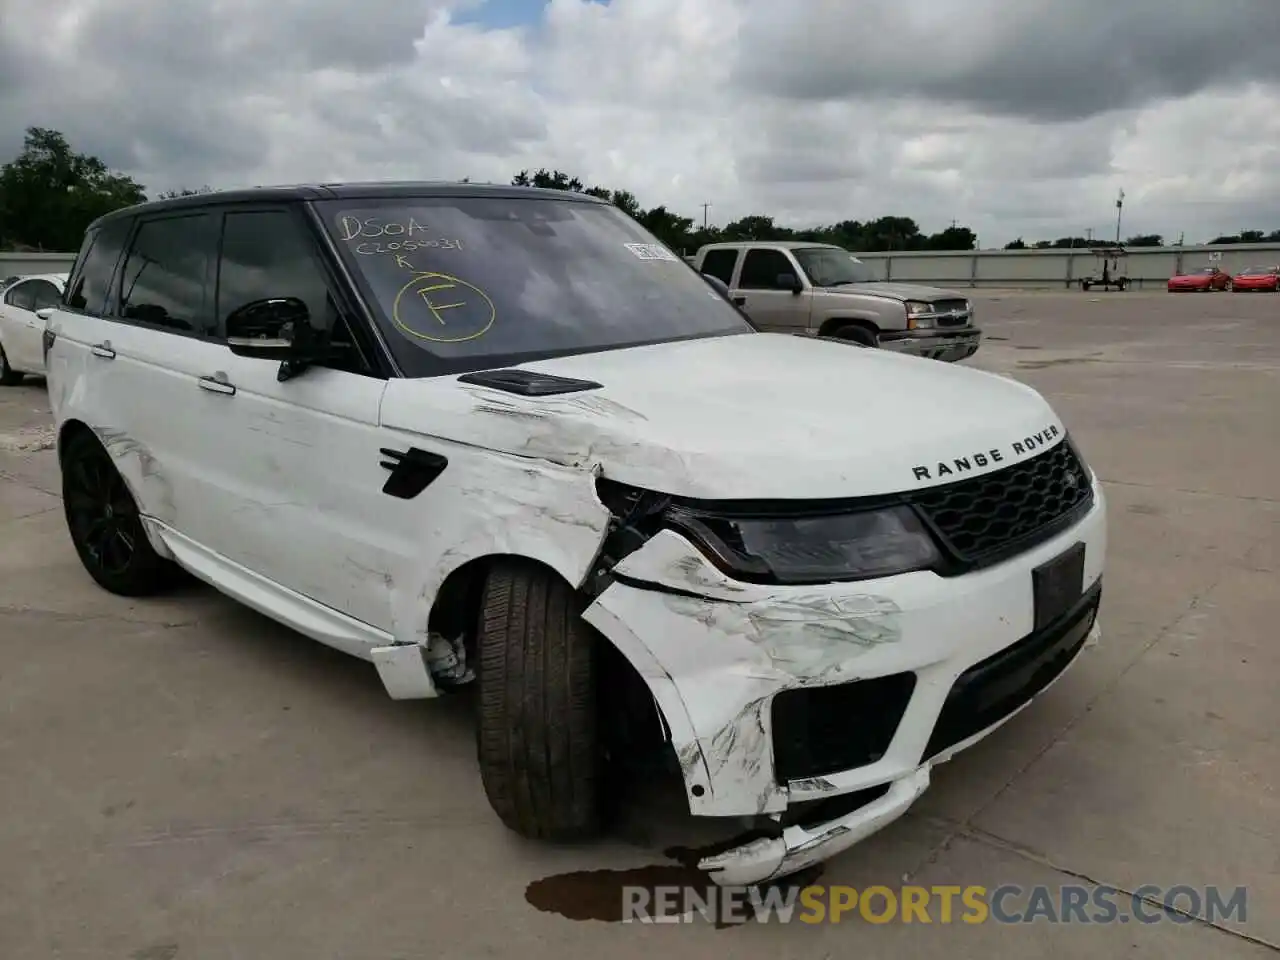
<point>278,328</point>
<point>717,283</point>
<point>789,281</point>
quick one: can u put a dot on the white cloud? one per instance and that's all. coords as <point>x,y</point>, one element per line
<point>1023,124</point>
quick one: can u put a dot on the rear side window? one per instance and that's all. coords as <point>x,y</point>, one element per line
<point>720,263</point>
<point>22,296</point>
<point>89,288</point>
<point>166,272</point>
<point>760,269</point>
<point>268,254</point>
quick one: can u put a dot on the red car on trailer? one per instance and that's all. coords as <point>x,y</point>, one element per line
<point>1257,278</point>
<point>1204,280</point>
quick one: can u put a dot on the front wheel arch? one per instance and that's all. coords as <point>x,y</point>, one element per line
<point>560,707</point>
<point>841,327</point>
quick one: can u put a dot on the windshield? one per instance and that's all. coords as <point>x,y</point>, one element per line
<point>1257,271</point>
<point>832,267</point>
<point>468,283</point>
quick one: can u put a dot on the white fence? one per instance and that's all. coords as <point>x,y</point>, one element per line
<point>1148,267</point>
<point>18,264</point>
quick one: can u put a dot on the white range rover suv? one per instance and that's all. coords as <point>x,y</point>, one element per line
<point>502,438</point>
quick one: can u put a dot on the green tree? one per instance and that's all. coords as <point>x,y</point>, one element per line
<point>547,179</point>
<point>679,232</point>
<point>49,193</point>
<point>1145,240</point>
<point>187,192</point>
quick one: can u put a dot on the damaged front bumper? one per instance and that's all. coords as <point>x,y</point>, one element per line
<point>820,711</point>
<point>945,344</point>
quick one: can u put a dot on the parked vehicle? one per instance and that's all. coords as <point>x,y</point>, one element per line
<point>818,289</point>
<point>1204,280</point>
<point>1257,278</point>
<point>1108,273</point>
<point>21,330</point>
<point>502,436</point>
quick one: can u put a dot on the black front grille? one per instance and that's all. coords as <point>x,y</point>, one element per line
<point>989,691</point>
<point>985,519</point>
<point>822,730</point>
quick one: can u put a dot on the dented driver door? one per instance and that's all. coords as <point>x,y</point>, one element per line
<point>301,480</point>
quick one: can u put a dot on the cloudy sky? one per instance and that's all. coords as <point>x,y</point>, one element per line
<point>1015,117</point>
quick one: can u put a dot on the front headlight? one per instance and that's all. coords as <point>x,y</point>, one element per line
<point>915,320</point>
<point>812,549</point>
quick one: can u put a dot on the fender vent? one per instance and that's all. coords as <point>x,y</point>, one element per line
<point>528,383</point>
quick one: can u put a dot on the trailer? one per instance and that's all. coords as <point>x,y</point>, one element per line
<point>1107,272</point>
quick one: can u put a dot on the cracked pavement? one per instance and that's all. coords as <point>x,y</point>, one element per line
<point>182,778</point>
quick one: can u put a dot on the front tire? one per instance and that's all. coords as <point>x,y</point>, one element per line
<point>105,524</point>
<point>537,734</point>
<point>9,377</point>
<point>859,335</point>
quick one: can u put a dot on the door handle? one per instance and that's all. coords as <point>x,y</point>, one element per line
<point>103,350</point>
<point>740,301</point>
<point>217,384</point>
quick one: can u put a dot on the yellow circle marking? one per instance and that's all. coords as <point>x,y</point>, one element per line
<point>427,282</point>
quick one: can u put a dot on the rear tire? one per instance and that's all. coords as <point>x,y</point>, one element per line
<point>9,377</point>
<point>105,524</point>
<point>537,736</point>
<point>859,335</point>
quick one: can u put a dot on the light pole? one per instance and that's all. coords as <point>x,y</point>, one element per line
<point>704,216</point>
<point>1119,211</point>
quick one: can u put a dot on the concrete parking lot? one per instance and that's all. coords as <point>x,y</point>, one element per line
<point>180,778</point>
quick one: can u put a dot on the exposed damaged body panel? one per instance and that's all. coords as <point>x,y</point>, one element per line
<point>726,650</point>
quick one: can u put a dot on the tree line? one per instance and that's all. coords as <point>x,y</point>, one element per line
<point>683,235</point>
<point>49,193</point>
<point>1141,240</point>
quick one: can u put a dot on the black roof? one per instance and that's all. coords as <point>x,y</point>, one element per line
<point>372,190</point>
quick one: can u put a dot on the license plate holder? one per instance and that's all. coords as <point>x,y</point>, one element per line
<point>1057,585</point>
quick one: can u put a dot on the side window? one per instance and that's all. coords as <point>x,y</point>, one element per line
<point>21,295</point>
<point>45,295</point>
<point>89,288</point>
<point>268,254</point>
<point>760,269</point>
<point>164,281</point>
<point>719,263</point>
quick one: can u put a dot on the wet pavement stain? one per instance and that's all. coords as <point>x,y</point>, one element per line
<point>602,894</point>
<point>1062,361</point>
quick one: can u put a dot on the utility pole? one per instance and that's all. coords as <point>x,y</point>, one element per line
<point>704,216</point>
<point>1088,234</point>
<point>1119,210</point>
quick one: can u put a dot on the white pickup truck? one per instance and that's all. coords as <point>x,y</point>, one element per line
<point>817,289</point>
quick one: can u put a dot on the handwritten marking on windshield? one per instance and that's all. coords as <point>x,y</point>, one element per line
<point>372,236</point>
<point>475,311</point>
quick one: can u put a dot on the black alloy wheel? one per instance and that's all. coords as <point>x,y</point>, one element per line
<point>105,523</point>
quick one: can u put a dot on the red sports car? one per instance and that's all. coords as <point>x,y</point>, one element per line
<point>1257,278</point>
<point>1205,279</point>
